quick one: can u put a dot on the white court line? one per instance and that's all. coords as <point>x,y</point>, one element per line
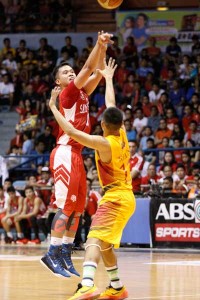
<point>166,297</point>
<point>27,258</point>
<point>194,263</point>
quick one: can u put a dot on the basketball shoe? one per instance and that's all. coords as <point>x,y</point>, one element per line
<point>114,294</point>
<point>66,252</point>
<point>52,260</point>
<point>85,292</point>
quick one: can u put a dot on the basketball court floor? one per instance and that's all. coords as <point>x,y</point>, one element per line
<point>147,274</point>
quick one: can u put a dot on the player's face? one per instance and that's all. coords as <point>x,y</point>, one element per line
<point>65,75</point>
<point>29,193</point>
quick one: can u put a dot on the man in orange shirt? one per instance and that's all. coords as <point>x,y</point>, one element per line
<point>163,131</point>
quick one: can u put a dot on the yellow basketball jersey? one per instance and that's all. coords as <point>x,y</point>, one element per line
<point>117,172</point>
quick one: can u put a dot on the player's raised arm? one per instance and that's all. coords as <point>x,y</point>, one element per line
<point>93,59</point>
<point>108,73</point>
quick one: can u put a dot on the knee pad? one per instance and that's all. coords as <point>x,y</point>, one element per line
<point>73,221</point>
<point>60,221</point>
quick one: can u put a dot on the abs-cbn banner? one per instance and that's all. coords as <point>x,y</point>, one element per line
<point>161,25</point>
<point>175,223</point>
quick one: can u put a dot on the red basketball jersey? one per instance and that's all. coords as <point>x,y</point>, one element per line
<point>74,106</point>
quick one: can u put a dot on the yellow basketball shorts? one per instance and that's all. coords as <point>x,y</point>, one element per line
<point>113,213</point>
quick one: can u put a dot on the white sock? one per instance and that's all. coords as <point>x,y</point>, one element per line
<point>9,234</point>
<point>20,235</point>
<point>89,270</point>
<point>56,241</point>
<point>67,240</point>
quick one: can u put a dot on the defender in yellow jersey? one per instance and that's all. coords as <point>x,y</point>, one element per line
<point>118,202</point>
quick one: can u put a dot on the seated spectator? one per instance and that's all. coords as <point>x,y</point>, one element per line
<point>155,93</point>
<point>26,221</point>
<point>146,106</point>
<point>6,91</point>
<point>180,183</point>
<point>169,160</point>
<point>99,97</point>
<point>193,173</point>
<point>167,172</point>
<point>21,52</point>
<point>27,147</point>
<point>47,138</point>
<point>163,131</point>
<point>128,88</point>
<point>171,118</point>
<point>42,156</point>
<point>64,57</point>
<point>167,185</point>
<point>194,154</point>
<point>185,68</point>
<point>114,50</point>
<point>178,132</point>
<point>173,50</point>
<point>194,191</point>
<point>154,119</point>
<point>3,205</point>
<point>195,49</point>
<point>7,48</point>
<point>187,117</point>
<point>14,208</point>
<point>131,134</point>
<point>121,75</point>
<point>136,165</point>
<point>163,104</point>
<point>150,156</point>
<point>9,64</point>
<point>186,162</point>
<point>71,49</point>
<point>164,144</point>
<point>192,133</point>
<point>89,166</point>
<point>177,97</point>
<point>130,52</point>
<point>143,70</point>
<point>43,185</point>
<point>14,158</point>
<point>177,143</point>
<point>95,180</point>
<point>146,134</point>
<point>151,178</point>
<point>139,122</point>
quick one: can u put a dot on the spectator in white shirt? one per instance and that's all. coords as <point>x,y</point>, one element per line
<point>155,93</point>
<point>9,64</point>
<point>139,122</point>
<point>6,91</point>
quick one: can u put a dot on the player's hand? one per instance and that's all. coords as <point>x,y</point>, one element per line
<point>104,38</point>
<point>109,68</point>
<point>54,94</point>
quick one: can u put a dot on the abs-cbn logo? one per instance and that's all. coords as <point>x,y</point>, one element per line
<point>179,211</point>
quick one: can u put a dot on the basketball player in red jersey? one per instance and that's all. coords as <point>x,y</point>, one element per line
<point>14,208</point>
<point>66,160</point>
<point>33,209</point>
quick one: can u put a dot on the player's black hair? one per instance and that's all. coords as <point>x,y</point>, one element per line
<point>113,118</point>
<point>56,69</point>
<point>11,189</point>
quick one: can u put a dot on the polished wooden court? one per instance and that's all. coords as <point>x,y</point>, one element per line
<point>155,275</point>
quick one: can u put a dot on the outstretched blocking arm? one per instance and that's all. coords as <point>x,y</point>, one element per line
<point>108,73</point>
<point>93,60</point>
<point>92,141</point>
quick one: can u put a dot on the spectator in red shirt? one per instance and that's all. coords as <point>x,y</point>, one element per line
<point>177,153</point>
<point>171,118</point>
<point>186,161</point>
<point>151,177</point>
<point>121,75</point>
<point>136,165</point>
<point>188,117</point>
